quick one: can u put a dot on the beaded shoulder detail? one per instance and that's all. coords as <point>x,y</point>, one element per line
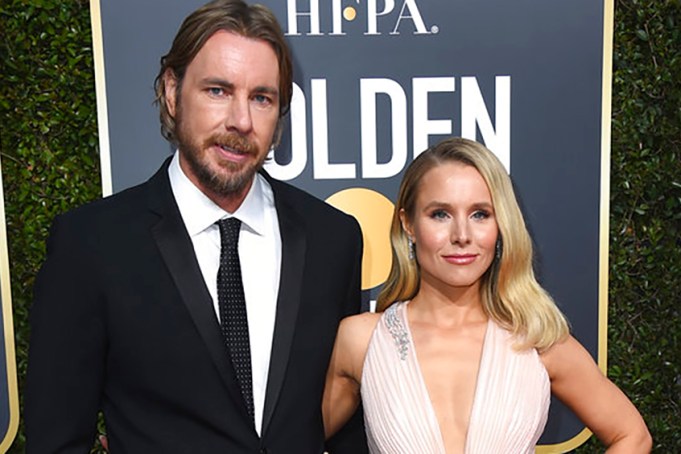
<point>397,330</point>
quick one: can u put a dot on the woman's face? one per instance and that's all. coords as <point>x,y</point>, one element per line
<point>454,228</point>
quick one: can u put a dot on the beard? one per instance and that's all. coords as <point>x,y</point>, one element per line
<point>222,178</point>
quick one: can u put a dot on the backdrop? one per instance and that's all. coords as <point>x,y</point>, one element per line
<point>376,82</point>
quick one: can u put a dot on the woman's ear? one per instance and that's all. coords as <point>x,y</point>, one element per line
<point>406,225</point>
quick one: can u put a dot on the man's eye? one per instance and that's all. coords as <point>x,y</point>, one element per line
<point>262,99</point>
<point>215,91</point>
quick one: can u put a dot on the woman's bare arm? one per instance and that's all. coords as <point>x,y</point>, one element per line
<point>341,393</point>
<point>578,382</point>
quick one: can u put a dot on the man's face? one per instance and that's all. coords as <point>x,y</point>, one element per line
<point>226,113</point>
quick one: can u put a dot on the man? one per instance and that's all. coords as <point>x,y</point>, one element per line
<point>128,317</point>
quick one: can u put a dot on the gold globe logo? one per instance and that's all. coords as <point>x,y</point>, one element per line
<point>374,213</point>
<point>349,13</point>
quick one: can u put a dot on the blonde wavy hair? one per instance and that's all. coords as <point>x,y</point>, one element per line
<point>510,293</point>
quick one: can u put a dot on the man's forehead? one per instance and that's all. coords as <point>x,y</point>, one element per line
<point>230,53</point>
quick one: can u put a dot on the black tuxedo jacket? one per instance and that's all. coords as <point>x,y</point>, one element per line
<point>122,322</point>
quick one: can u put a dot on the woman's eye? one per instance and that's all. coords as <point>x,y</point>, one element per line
<point>438,214</point>
<point>481,214</point>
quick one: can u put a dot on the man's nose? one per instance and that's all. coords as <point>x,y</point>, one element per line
<point>239,115</point>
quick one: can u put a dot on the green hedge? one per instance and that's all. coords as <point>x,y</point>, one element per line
<point>49,152</point>
<point>645,221</point>
<point>48,136</point>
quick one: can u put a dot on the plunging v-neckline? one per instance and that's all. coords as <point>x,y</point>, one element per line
<point>424,388</point>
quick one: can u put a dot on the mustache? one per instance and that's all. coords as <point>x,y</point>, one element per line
<point>232,140</point>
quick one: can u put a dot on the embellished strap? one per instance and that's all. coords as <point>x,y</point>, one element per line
<point>397,330</point>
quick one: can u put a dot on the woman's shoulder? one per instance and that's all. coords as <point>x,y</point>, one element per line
<point>352,342</point>
<point>355,332</point>
<point>564,354</point>
<point>359,325</point>
<point>366,321</point>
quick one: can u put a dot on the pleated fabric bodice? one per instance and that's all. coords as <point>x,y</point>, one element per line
<point>510,405</point>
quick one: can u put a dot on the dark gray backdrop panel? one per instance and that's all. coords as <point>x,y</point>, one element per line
<point>551,50</point>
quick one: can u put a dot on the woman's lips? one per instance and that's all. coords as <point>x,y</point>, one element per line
<point>461,259</point>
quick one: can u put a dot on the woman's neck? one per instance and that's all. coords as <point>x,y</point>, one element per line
<point>453,306</point>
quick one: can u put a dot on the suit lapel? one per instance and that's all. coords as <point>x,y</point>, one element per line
<point>177,251</point>
<point>293,249</point>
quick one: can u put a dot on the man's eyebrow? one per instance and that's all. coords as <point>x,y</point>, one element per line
<point>217,81</point>
<point>267,89</point>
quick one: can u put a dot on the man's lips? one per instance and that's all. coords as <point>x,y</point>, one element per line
<point>232,154</point>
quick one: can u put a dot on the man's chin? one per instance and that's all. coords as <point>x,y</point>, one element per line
<point>230,182</point>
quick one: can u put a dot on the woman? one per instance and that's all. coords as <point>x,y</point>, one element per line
<point>467,347</point>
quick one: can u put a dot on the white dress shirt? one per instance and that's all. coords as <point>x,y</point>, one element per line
<point>259,255</point>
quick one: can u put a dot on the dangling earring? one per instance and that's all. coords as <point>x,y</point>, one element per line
<point>498,249</point>
<point>411,248</point>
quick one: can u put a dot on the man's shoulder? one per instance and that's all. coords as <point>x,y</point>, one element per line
<point>308,206</point>
<point>128,202</point>
<point>120,215</point>
<point>133,195</point>
<point>110,206</point>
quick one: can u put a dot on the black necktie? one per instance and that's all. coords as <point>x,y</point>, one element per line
<point>232,302</point>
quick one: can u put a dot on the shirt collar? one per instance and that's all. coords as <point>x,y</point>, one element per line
<point>200,213</point>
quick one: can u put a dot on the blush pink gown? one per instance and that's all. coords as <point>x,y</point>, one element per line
<point>510,405</point>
